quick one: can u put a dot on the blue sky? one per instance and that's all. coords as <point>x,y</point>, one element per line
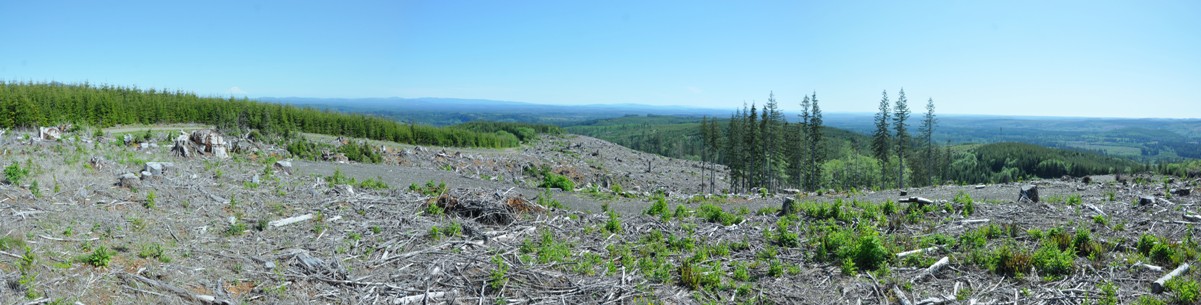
<point>1056,58</point>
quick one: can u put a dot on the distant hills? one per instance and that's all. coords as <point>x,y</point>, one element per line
<point>451,111</point>
<point>1136,139</point>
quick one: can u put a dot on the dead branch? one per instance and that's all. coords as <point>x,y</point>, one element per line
<point>199,298</point>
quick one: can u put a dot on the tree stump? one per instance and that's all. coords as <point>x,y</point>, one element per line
<point>1029,192</point>
<point>128,180</point>
<point>1145,200</point>
<point>788,207</point>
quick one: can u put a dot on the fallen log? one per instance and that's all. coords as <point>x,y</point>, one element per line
<point>974,221</point>
<point>1094,208</point>
<point>290,220</point>
<point>1192,217</point>
<point>912,252</point>
<point>1158,285</point>
<point>918,200</point>
<point>929,271</point>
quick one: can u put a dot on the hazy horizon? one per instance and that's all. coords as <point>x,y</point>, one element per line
<point>1016,58</point>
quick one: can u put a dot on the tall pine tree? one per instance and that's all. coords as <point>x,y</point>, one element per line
<point>816,150</point>
<point>880,139</point>
<point>902,135</point>
<point>927,138</point>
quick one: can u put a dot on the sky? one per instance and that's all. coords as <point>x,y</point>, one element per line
<point>1092,58</point>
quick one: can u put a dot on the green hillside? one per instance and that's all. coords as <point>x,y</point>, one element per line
<point>38,104</point>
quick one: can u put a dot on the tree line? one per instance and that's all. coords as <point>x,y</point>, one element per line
<point>763,150</point>
<point>30,104</point>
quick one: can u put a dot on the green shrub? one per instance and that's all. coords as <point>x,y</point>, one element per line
<point>1050,259</point>
<point>658,207</point>
<point>1109,294</point>
<point>11,242</point>
<point>14,173</point>
<point>99,257</point>
<point>1010,261</point>
<point>1145,243</point>
<point>1186,291</point>
<point>1149,300</point>
<point>969,207</point>
<point>155,251</point>
<point>374,184</point>
<point>614,224</point>
<point>547,199</point>
<point>150,200</point>
<point>499,276</point>
<point>715,214</point>
<point>1074,200</point>
<point>870,253</point>
<point>552,180</point>
<point>1162,253</point>
<point>784,237</point>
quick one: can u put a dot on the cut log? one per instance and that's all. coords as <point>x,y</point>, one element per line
<point>929,271</point>
<point>788,207</point>
<point>979,186</point>
<point>918,200</point>
<point>1158,285</point>
<point>1094,208</point>
<point>290,220</point>
<point>1028,192</point>
<point>912,252</point>
<point>973,221</point>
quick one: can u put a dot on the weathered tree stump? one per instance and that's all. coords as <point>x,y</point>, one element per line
<point>1145,200</point>
<point>788,207</point>
<point>1028,192</point>
<point>128,180</point>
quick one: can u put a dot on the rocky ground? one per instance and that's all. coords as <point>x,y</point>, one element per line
<point>471,226</point>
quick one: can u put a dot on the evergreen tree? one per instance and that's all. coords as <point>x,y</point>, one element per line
<point>927,138</point>
<point>880,139</point>
<point>816,151</point>
<point>803,156</point>
<point>902,135</point>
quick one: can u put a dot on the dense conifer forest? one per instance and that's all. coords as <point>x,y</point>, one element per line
<point>31,104</point>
